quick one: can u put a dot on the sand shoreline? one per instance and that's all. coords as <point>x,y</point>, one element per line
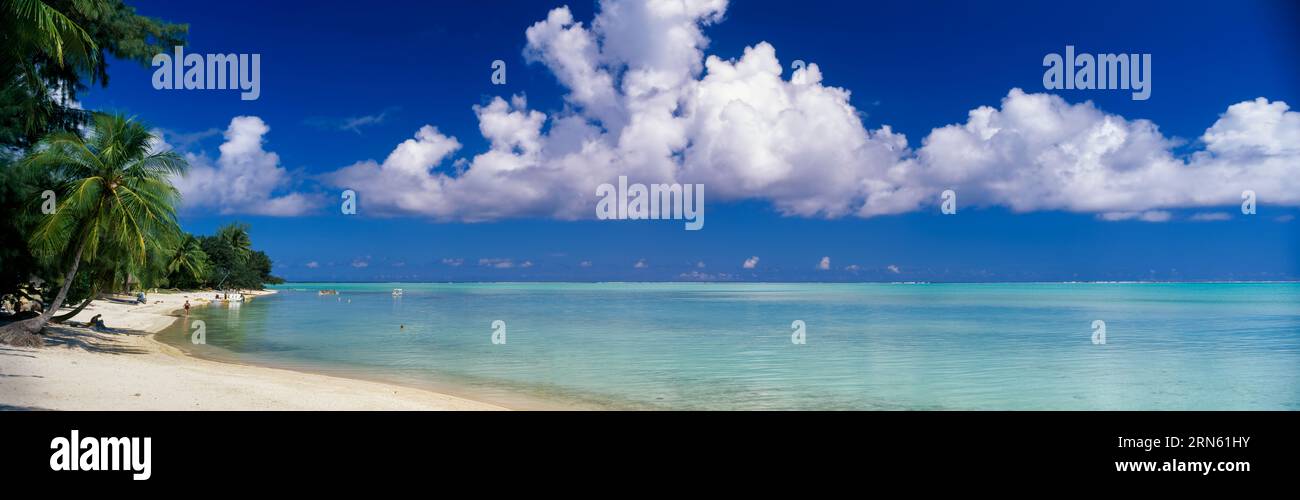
<point>129,369</point>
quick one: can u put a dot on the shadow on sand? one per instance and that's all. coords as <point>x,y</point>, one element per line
<point>91,340</point>
<point>5,407</point>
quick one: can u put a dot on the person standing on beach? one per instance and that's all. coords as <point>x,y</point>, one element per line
<point>187,307</point>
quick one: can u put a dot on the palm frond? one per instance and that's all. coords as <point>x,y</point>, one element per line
<point>41,26</point>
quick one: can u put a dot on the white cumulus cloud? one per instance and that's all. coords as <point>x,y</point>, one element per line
<point>644,100</point>
<point>1039,152</point>
<point>244,178</point>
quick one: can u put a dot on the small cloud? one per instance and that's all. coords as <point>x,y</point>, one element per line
<point>1210,217</point>
<point>696,275</point>
<point>853,268</point>
<point>186,141</point>
<point>699,265</point>
<point>1147,216</point>
<point>1284,218</point>
<point>399,264</point>
<point>497,263</point>
<point>313,265</point>
<point>750,262</point>
<point>453,262</point>
<point>526,264</point>
<point>360,264</point>
<point>350,124</point>
<point>893,269</point>
<point>640,264</point>
<point>825,264</point>
<point>585,263</point>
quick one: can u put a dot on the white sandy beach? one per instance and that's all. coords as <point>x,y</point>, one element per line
<point>81,369</point>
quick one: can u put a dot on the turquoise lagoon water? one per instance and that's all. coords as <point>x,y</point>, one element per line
<point>728,346</point>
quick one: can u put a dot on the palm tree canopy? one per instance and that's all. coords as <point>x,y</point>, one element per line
<point>236,236</point>
<point>115,190</point>
<point>189,256</point>
<point>36,26</point>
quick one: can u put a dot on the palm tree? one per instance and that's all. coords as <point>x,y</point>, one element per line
<point>34,25</point>
<point>236,236</point>
<point>114,193</point>
<point>190,257</point>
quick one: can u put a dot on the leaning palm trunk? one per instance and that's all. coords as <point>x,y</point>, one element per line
<point>76,310</point>
<point>25,333</point>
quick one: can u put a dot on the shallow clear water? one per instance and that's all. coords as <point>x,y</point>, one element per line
<point>728,346</point>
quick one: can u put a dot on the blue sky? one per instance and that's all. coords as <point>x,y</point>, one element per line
<point>913,66</point>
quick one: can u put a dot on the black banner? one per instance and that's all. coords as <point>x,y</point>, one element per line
<point>228,449</point>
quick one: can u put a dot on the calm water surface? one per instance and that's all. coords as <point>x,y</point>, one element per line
<point>728,346</point>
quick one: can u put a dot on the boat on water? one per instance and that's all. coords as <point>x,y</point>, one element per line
<point>397,292</point>
<point>328,292</point>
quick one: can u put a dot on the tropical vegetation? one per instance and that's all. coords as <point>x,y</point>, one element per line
<point>89,205</point>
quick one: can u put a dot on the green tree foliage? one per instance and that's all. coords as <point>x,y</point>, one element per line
<point>115,199</point>
<point>49,51</point>
<point>232,261</point>
<point>16,261</point>
<point>188,263</point>
<point>52,49</point>
<point>115,226</point>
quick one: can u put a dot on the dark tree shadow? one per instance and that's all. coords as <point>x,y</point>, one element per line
<point>5,407</point>
<point>91,340</point>
<point>16,351</point>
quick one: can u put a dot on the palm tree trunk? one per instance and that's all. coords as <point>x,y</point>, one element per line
<point>64,317</point>
<point>24,333</point>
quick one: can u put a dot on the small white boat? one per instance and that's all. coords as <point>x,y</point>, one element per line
<point>397,292</point>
